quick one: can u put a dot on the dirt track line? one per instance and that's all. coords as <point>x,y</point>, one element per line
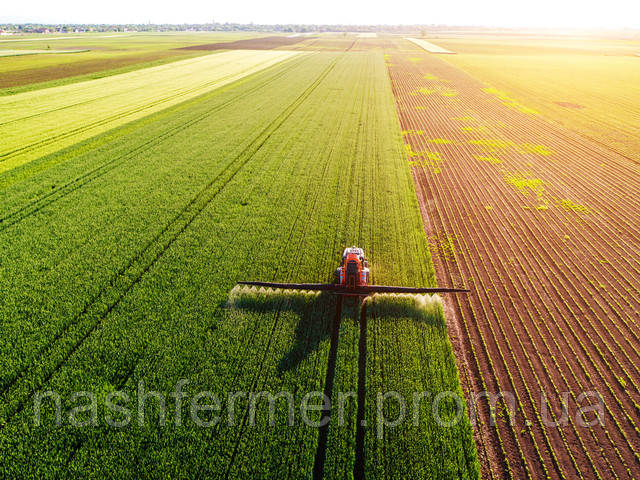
<point>359,467</point>
<point>323,431</point>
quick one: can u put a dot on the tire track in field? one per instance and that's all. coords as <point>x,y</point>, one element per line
<point>323,431</point>
<point>127,277</point>
<point>170,133</point>
<point>359,470</point>
<point>302,214</point>
<point>299,215</point>
<point>47,199</point>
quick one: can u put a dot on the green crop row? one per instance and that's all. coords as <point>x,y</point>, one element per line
<point>119,259</point>
<point>412,380</point>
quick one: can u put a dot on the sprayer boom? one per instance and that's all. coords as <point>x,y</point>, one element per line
<point>363,290</point>
<point>352,278</point>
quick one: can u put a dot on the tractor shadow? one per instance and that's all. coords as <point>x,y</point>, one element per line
<point>315,311</point>
<point>320,316</point>
<point>319,312</point>
<point>420,308</point>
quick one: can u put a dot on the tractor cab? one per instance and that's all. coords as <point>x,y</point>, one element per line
<point>354,270</point>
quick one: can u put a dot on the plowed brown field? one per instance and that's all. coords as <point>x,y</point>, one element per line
<point>543,226</point>
<point>263,43</point>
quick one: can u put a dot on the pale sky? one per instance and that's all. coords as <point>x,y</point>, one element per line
<point>500,13</point>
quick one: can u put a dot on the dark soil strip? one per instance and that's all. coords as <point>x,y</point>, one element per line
<point>358,470</point>
<point>321,452</point>
<point>83,67</point>
<point>267,43</point>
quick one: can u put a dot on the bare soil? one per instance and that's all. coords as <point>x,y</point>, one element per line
<point>83,67</point>
<point>542,225</point>
<point>266,43</point>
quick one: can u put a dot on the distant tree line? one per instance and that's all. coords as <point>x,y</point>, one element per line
<point>421,29</point>
<point>212,27</point>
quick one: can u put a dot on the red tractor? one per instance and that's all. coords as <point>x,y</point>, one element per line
<point>354,270</point>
